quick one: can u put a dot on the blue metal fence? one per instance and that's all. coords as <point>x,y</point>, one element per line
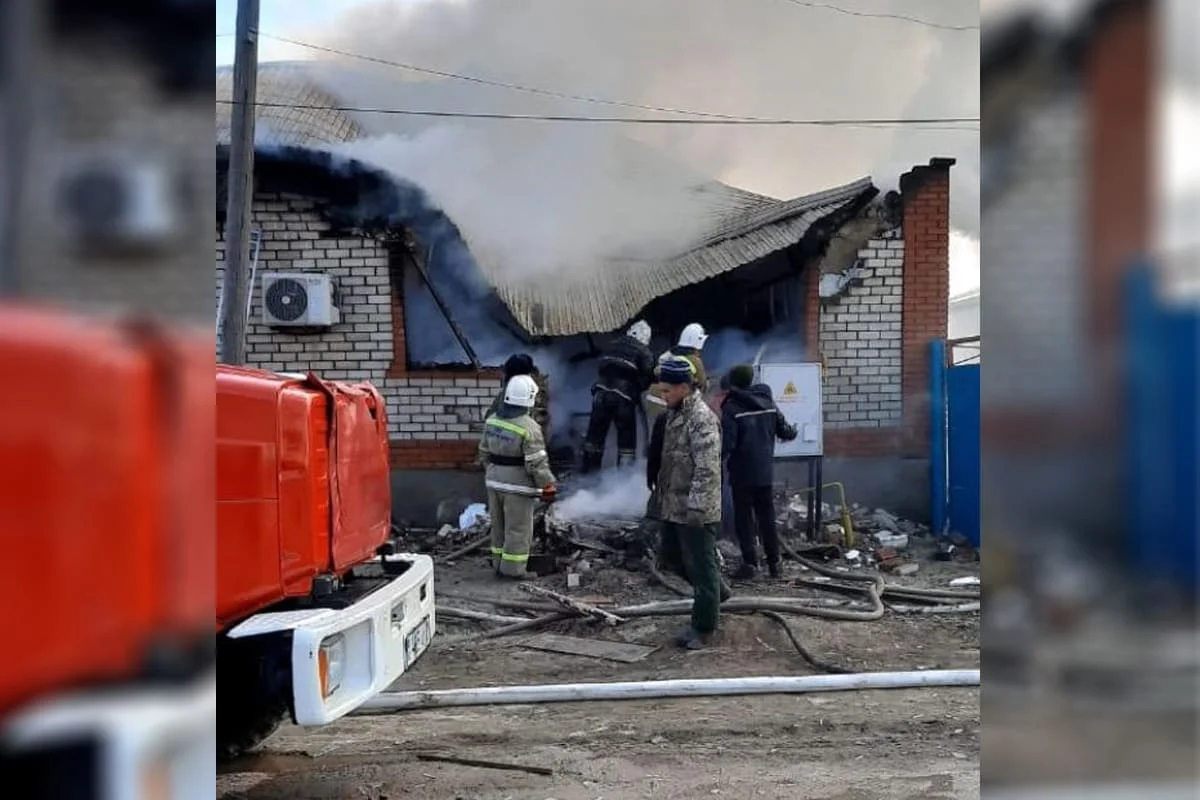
<point>1161,372</point>
<point>954,446</point>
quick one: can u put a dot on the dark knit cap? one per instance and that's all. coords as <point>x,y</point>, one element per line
<point>741,376</point>
<point>520,364</point>
<point>675,371</point>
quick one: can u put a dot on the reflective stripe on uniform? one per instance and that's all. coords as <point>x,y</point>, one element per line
<point>513,488</point>
<point>754,413</point>
<point>507,426</point>
<point>656,400</point>
<point>516,558</point>
<point>497,551</point>
<point>617,392</point>
<point>535,456</point>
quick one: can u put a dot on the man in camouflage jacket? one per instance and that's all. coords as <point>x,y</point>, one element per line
<point>688,495</point>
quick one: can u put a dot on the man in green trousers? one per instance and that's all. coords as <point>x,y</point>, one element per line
<point>688,494</point>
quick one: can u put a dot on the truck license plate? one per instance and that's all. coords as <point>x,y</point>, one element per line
<point>416,642</point>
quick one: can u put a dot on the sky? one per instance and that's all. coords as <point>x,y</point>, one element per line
<point>781,164</point>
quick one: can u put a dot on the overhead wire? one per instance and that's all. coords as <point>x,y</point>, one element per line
<point>835,123</point>
<point>728,118</point>
<point>883,15</point>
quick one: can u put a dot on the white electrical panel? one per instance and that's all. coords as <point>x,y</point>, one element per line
<point>797,391</point>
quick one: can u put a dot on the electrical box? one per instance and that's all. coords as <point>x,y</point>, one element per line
<point>298,300</point>
<point>797,391</point>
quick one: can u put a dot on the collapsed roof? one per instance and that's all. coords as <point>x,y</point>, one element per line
<point>741,227</point>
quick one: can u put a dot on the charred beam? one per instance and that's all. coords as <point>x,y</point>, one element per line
<point>441,304</point>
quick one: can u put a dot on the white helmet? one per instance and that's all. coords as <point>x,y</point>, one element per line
<point>639,331</point>
<point>693,336</point>
<point>521,391</point>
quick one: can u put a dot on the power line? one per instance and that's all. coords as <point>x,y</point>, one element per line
<point>505,85</point>
<point>731,118</point>
<point>882,15</point>
<point>832,123</point>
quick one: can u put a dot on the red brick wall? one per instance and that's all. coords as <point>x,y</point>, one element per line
<point>430,454</point>
<point>926,193</point>
<point>926,226</point>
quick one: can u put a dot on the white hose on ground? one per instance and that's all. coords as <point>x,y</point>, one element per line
<point>649,690</point>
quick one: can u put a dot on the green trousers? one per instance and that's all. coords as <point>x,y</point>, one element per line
<point>691,552</point>
<point>512,531</point>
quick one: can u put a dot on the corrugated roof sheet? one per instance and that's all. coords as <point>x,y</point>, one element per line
<point>750,230</point>
<point>314,124</point>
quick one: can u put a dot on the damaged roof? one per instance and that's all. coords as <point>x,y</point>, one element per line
<point>740,234</point>
<point>741,227</point>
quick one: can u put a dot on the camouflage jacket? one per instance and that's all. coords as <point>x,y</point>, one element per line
<point>541,404</point>
<point>689,479</point>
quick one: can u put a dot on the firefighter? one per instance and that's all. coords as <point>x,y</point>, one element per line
<point>691,342</point>
<point>522,364</point>
<point>625,372</point>
<point>518,474</point>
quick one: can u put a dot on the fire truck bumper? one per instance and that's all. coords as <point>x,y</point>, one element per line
<point>342,657</point>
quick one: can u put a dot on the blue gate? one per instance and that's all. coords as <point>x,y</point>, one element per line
<point>954,446</point>
<point>1161,377</point>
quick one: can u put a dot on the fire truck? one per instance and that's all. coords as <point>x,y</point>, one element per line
<point>156,605</point>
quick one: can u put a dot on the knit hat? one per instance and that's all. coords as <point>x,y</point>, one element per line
<point>741,376</point>
<point>675,371</point>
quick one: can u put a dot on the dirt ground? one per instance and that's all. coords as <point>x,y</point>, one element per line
<point>880,745</point>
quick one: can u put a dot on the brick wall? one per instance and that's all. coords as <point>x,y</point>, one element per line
<point>877,368</point>
<point>860,334</point>
<point>926,194</point>
<point>433,417</point>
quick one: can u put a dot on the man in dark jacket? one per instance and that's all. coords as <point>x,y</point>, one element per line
<point>750,424</point>
<point>625,372</point>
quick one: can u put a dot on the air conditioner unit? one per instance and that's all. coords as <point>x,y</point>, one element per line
<point>298,300</point>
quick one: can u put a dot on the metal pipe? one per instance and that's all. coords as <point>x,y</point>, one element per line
<point>650,690</point>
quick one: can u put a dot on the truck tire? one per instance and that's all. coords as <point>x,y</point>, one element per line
<point>253,691</point>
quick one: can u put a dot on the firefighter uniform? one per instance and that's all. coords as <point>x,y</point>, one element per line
<point>517,476</point>
<point>624,373</point>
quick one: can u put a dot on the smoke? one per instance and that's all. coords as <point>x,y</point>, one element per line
<point>540,199</point>
<point>614,493</point>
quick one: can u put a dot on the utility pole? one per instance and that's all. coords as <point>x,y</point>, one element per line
<point>21,71</point>
<point>235,286</point>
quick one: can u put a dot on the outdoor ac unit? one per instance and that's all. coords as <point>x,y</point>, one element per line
<point>298,300</point>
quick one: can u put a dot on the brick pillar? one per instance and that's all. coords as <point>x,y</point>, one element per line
<point>925,192</point>
<point>812,310</point>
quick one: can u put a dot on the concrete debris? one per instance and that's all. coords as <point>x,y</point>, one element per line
<point>896,541</point>
<point>572,580</point>
<point>966,580</point>
<point>446,530</point>
<point>907,568</point>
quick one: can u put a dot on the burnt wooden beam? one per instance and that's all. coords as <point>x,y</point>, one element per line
<point>441,304</point>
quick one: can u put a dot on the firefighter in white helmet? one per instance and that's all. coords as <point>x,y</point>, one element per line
<point>518,474</point>
<point>625,372</point>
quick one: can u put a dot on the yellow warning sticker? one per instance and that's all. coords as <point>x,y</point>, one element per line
<point>790,390</point>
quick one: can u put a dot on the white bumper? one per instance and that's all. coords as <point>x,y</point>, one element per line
<point>380,637</point>
<point>149,742</point>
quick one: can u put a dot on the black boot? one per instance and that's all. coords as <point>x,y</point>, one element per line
<point>775,569</point>
<point>745,572</point>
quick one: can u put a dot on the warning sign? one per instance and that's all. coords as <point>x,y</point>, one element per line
<point>789,391</point>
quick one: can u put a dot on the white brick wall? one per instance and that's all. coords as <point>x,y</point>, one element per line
<point>295,238</point>
<point>861,341</point>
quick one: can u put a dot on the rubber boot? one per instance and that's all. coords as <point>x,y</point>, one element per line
<point>745,572</point>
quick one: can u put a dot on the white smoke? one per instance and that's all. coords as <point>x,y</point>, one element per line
<point>616,493</point>
<point>536,199</point>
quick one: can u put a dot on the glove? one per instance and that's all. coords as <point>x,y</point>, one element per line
<point>550,493</point>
